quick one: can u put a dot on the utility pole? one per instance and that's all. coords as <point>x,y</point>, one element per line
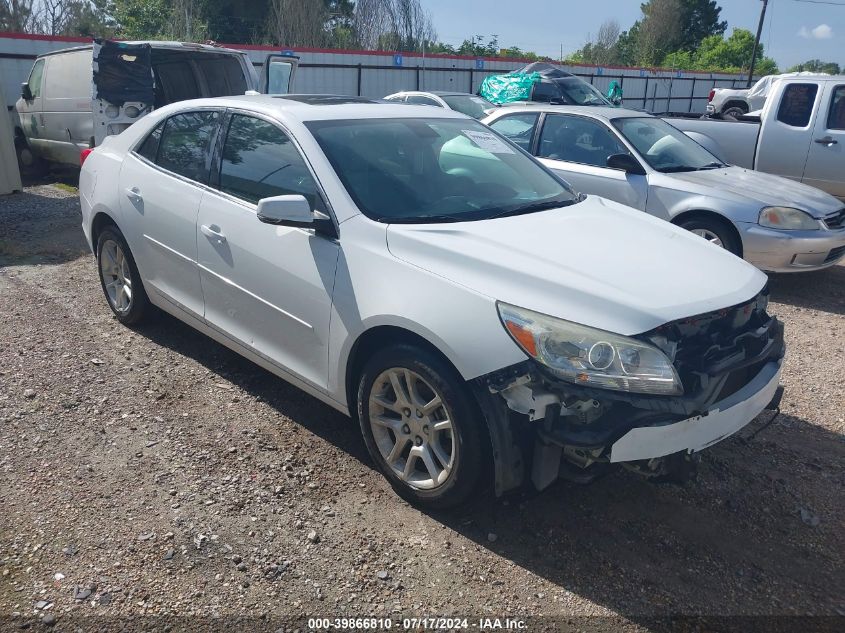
<point>757,43</point>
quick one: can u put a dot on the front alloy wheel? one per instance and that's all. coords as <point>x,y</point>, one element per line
<point>422,426</point>
<point>412,429</point>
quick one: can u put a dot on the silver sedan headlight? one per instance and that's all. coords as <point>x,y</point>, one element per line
<point>590,357</point>
<point>787,219</point>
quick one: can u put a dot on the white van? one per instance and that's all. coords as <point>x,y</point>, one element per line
<point>76,97</point>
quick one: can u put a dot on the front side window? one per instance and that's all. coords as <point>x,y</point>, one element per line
<point>186,144</point>
<point>796,104</point>
<point>664,147</point>
<point>260,161</point>
<point>519,128</point>
<point>545,92</point>
<point>421,100</point>
<point>435,170</point>
<point>578,140</point>
<point>578,92</point>
<point>35,78</point>
<point>836,114</point>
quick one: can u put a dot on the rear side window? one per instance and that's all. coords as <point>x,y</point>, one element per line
<point>186,144</point>
<point>223,76</point>
<point>796,105</point>
<point>35,78</point>
<point>836,114</point>
<point>519,128</point>
<point>149,148</point>
<point>260,161</point>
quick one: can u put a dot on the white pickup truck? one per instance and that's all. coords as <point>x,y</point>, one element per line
<point>799,134</point>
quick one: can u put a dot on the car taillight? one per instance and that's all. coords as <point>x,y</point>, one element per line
<point>710,96</point>
<point>83,155</point>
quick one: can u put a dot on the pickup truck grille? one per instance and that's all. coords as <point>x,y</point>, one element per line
<point>835,220</point>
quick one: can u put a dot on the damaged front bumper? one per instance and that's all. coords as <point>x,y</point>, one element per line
<point>730,362</point>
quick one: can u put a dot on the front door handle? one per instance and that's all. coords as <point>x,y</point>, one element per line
<point>134,194</point>
<point>826,141</point>
<point>213,231</point>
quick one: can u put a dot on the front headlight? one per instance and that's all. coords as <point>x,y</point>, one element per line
<point>590,357</point>
<point>787,219</point>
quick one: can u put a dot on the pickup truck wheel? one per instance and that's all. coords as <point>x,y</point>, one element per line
<point>734,112</point>
<point>420,426</point>
<point>119,277</point>
<point>713,231</point>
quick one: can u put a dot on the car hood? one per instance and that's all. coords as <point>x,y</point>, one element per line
<point>738,183</point>
<point>597,262</point>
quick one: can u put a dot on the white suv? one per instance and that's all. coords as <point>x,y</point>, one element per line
<point>483,322</point>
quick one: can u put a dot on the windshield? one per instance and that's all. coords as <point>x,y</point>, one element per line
<point>664,147</point>
<point>435,170</point>
<point>468,104</point>
<point>579,92</point>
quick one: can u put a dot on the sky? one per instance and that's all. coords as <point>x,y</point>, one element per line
<point>795,30</point>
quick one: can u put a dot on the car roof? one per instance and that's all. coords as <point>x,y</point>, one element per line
<point>309,107</point>
<point>437,93</point>
<point>190,46</point>
<point>598,112</point>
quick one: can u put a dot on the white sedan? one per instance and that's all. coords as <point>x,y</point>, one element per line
<point>409,267</point>
<point>644,162</point>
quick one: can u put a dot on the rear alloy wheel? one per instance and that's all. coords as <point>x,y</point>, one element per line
<point>119,277</point>
<point>714,231</point>
<point>420,426</point>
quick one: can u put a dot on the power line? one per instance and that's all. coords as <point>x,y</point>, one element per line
<point>829,2</point>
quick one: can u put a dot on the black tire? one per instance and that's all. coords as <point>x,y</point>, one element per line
<point>469,458</point>
<point>734,111</point>
<point>31,166</point>
<point>139,305</point>
<point>719,228</point>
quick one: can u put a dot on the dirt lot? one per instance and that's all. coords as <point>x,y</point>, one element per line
<point>155,473</point>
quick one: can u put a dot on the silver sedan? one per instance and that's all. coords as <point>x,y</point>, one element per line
<point>776,224</point>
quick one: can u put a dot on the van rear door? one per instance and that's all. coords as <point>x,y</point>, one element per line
<point>123,87</point>
<point>278,74</point>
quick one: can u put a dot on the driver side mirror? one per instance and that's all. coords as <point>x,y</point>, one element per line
<point>626,163</point>
<point>295,211</point>
<point>26,93</point>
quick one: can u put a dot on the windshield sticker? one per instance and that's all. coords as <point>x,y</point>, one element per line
<point>488,142</point>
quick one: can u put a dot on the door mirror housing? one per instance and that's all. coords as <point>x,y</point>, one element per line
<point>26,93</point>
<point>626,163</point>
<point>295,211</point>
<point>286,211</point>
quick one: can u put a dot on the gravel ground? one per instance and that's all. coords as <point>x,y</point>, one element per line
<point>155,473</point>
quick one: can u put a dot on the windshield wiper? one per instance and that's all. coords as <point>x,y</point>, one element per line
<point>425,219</point>
<point>675,168</point>
<point>714,165</point>
<point>532,207</point>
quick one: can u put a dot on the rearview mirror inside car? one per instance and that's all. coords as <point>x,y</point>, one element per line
<point>26,93</point>
<point>626,163</point>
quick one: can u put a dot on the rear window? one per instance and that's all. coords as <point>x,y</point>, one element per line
<point>796,105</point>
<point>224,76</point>
<point>185,146</point>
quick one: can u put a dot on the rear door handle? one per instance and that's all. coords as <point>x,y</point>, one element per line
<point>133,193</point>
<point>213,231</point>
<point>826,141</point>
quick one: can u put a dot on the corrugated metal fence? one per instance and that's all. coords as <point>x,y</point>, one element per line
<point>376,73</point>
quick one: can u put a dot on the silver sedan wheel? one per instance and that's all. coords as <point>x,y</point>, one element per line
<point>412,428</point>
<point>708,235</point>
<point>116,276</point>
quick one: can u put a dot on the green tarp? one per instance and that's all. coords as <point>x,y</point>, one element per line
<point>508,88</point>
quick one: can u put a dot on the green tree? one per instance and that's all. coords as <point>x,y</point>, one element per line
<point>699,19</point>
<point>816,66</point>
<point>733,53</point>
